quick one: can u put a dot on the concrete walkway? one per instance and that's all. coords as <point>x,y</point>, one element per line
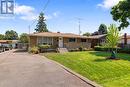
<point>20,69</point>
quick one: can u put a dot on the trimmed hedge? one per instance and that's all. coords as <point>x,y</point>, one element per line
<point>44,46</point>
<point>124,50</point>
<point>100,48</point>
<point>119,50</point>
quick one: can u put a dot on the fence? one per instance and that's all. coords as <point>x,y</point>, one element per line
<point>124,46</point>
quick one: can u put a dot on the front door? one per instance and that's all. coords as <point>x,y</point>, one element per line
<point>60,42</point>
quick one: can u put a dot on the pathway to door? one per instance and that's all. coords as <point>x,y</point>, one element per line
<point>20,69</point>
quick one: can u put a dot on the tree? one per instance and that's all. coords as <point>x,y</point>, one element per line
<point>113,37</point>
<point>41,25</point>
<point>2,37</point>
<point>121,13</point>
<point>11,35</point>
<point>102,29</point>
<point>24,38</point>
<point>86,34</point>
<point>95,33</point>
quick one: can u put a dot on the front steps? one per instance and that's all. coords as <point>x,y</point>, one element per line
<point>62,50</point>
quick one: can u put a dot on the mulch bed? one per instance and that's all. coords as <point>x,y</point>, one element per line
<point>109,58</point>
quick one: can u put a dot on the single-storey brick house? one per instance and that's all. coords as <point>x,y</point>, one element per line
<point>64,40</point>
<point>97,40</point>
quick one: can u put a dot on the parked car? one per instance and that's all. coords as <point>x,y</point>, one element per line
<point>6,48</point>
<point>2,49</point>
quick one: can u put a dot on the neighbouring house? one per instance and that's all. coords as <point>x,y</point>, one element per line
<point>7,43</point>
<point>65,40</point>
<point>97,40</point>
<point>125,41</point>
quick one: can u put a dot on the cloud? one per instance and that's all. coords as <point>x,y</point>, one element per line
<point>108,3</point>
<point>56,14</point>
<point>29,13</point>
<point>25,12</point>
<point>48,17</point>
<point>6,17</point>
<point>23,9</point>
<point>53,15</point>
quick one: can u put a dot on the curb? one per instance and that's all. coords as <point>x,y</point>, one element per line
<point>92,83</point>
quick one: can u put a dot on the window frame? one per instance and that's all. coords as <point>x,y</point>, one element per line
<point>82,40</point>
<point>72,40</point>
<point>45,40</point>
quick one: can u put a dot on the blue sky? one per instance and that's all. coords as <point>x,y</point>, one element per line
<point>61,15</point>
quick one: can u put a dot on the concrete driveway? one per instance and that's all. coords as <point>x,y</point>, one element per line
<point>20,69</point>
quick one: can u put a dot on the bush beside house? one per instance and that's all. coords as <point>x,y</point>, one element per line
<point>34,50</point>
<point>44,48</point>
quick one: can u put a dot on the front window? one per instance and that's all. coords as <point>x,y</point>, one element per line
<point>45,40</point>
<point>72,40</point>
<point>83,40</point>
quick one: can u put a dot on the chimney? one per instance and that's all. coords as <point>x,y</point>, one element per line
<point>125,38</point>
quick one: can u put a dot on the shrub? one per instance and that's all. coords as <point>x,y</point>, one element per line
<point>101,48</point>
<point>34,50</point>
<point>124,50</point>
<point>44,46</point>
<point>97,48</point>
<point>74,50</point>
<point>81,48</point>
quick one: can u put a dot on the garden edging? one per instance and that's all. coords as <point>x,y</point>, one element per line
<point>92,83</point>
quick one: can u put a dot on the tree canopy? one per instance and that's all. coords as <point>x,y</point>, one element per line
<point>102,29</point>
<point>113,36</point>
<point>87,34</point>
<point>121,13</point>
<point>11,35</point>
<point>41,25</point>
<point>2,37</point>
<point>24,38</point>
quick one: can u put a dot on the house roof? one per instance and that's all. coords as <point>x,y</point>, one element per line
<point>70,35</point>
<point>97,36</point>
<point>3,41</point>
<point>7,41</point>
<point>128,37</point>
<point>52,34</point>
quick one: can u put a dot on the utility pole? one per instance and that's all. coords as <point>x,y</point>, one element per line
<point>79,22</point>
<point>29,29</point>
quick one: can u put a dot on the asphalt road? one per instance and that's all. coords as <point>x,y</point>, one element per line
<point>20,69</point>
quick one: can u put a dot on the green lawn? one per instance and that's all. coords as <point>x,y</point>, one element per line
<point>94,66</point>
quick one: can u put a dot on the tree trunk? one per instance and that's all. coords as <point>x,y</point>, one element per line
<point>113,54</point>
